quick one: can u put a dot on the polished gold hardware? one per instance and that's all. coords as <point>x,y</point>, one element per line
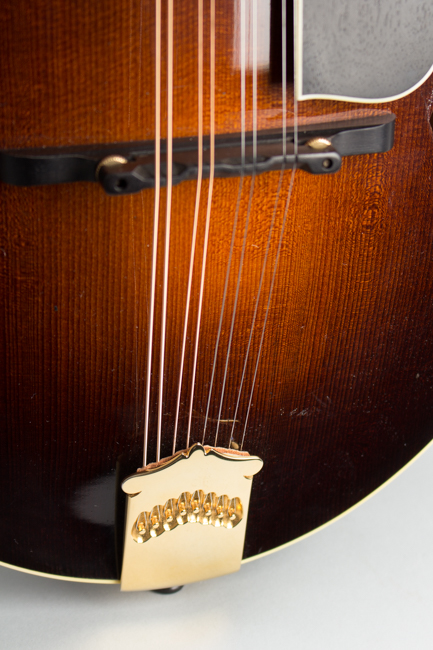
<point>188,553</point>
<point>109,161</point>
<point>318,143</point>
<point>188,509</point>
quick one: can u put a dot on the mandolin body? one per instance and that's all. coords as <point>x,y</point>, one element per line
<point>343,397</point>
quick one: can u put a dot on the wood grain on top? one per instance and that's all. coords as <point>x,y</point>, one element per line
<point>343,394</point>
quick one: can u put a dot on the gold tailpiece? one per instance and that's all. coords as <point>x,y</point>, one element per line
<point>188,553</point>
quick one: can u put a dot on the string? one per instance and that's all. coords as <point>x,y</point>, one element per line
<point>250,198</point>
<point>155,219</point>
<point>284,73</point>
<point>274,212</point>
<point>208,208</point>
<point>223,303</point>
<point>292,179</point>
<point>243,95</point>
<point>295,99</point>
<point>262,276</point>
<point>169,168</point>
<point>135,321</point>
<point>131,202</point>
<point>196,212</point>
<point>142,209</point>
<point>129,64</point>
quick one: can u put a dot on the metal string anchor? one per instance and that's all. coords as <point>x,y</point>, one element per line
<point>162,548</point>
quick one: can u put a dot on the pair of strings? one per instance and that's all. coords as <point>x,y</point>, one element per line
<point>251,193</point>
<point>197,210</point>
<point>155,222</point>
<point>169,166</point>
<point>208,208</point>
<point>243,41</point>
<point>288,199</point>
<point>194,238</point>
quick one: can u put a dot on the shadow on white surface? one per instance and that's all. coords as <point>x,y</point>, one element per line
<point>364,582</point>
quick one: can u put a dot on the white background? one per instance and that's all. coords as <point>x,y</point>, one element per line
<point>366,581</point>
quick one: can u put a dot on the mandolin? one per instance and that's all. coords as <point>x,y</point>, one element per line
<point>216,270</point>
